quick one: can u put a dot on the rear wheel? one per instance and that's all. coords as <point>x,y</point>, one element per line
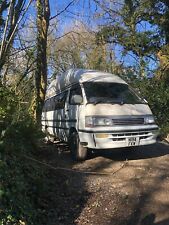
<point>78,151</point>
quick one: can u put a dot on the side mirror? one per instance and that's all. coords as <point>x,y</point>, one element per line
<point>76,100</point>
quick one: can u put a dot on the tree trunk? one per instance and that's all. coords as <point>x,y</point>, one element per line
<point>43,16</point>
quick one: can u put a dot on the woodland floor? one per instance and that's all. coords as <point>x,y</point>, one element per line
<point>116,187</point>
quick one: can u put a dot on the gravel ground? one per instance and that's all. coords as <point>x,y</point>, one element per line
<point>117,187</point>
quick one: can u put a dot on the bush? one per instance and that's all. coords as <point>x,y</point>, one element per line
<point>7,107</point>
<point>22,135</point>
<point>156,92</point>
<point>21,181</point>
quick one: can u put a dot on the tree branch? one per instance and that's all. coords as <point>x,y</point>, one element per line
<point>16,26</point>
<point>59,13</point>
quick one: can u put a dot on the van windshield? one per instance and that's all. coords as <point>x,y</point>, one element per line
<point>115,93</point>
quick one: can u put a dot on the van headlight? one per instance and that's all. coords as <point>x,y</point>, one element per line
<point>97,121</point>
<point>149,120</point>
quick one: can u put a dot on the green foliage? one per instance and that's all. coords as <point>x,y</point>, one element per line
<point>7,105</point>
<point>156,92</point>
<point>20,187</point>
<point>21,181</point>
<point>139,28</point>
<point>22,134</point>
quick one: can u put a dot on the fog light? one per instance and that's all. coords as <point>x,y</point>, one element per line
<point>102,135</point>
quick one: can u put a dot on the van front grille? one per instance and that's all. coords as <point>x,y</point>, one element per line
<point>128,121</point>
<point>124,136</point>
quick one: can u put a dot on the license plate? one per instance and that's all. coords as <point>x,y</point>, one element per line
<point>133,141</point>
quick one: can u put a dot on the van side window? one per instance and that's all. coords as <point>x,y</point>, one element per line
<point>76,90</point>
<point>59,100</point>
<point>56,102</point>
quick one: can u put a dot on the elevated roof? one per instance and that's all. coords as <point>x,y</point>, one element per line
<point>74,76</point>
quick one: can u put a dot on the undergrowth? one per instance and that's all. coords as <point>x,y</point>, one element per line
<point>22,182</point>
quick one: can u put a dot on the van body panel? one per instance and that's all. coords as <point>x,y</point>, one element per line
<point>117,110</point>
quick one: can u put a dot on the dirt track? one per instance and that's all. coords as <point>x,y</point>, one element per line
<point>127,188</point>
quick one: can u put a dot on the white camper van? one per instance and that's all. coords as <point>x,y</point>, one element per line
<point>98,110</point>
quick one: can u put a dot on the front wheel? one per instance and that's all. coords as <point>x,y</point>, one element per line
<point>78,151</point>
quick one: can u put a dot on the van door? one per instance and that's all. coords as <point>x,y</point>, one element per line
<point>72,109</point>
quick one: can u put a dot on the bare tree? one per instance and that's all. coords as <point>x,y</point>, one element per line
<point>16,10</point>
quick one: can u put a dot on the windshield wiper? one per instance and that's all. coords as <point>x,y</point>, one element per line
<point>99,101</point>
<point>106,102</point>
<point>118,101</point>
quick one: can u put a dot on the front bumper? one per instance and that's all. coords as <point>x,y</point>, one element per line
<point>118,138</point>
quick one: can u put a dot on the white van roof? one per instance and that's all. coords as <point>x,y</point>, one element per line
<point>74,76</point>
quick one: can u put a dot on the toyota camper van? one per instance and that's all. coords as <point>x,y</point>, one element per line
<point>97,110</point>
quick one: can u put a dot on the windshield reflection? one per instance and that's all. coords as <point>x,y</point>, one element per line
<point>113,93</point>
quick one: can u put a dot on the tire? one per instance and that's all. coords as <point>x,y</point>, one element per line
<point>78,152</point>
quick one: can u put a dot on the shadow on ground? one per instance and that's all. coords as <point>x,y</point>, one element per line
<point>136,153</point>
<point>150,220</point>
<point>148,198</point>
<point>65,192</point>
